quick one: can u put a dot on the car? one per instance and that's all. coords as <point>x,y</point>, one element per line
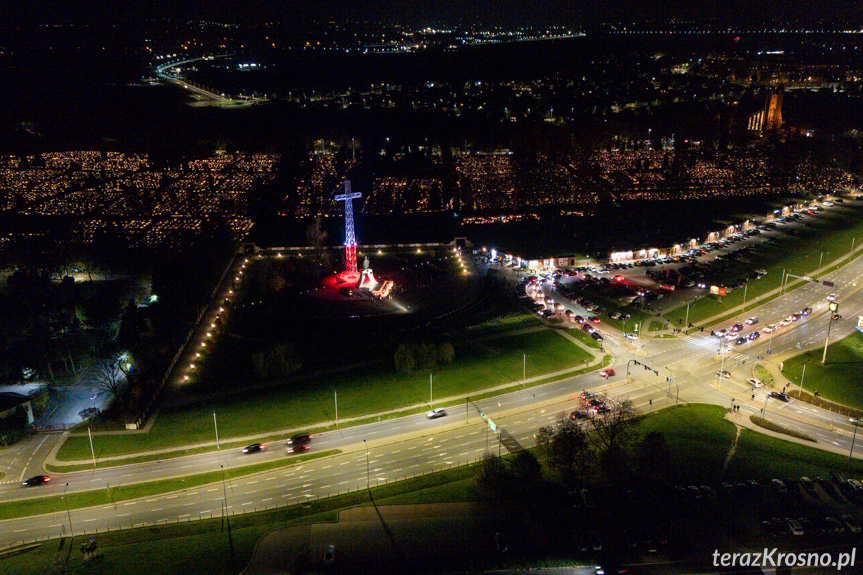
<point>587,395</point>
<point>723,373</point>
<point>740,341</point>
<point>721,333</point>
<point>578,319</point>
<point>300,439</point>
<point>36,480</point>
<point>436,412</point>
<point>755,383</point>
<point>833,525</point>
<point>806,311</point>
<point>779,395</point>
<point>594,319</point>
<point>596,335</point>
<point>579,414</point>
<point>754,335</point>
<point>254,448</point>
<point>808,486</point>
<point>751,321</point>
<point>329,554</point>
<point>595,403</point>
<point>737,327</point>
<point>785,322</point>
<point>632,336</point>
<point>770,328</point>
<point>831,297</point>
<point>297,448</point>
<point>778,486</point>
<point>795,316</point>
<point>607,372</point>
<point>615,315</point>
<point>795,527</point>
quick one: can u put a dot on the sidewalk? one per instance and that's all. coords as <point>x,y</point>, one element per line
<point>51,459</point>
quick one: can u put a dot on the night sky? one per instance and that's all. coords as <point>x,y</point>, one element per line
<point>430,12</point>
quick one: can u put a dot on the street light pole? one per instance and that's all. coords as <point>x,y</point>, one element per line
<point>686,321</point>
<point>856,422</point>
<point>827,339</point>
<point>68,513</point>
<point>431,392</point>
<point>216,426</point>
<point>524,368</point>
<point>92,452</point>
<point>336,399</point>
<point>227,515</point>
<point>820,258</point>
<point>745,288</point>
<point>802,375</point>
<point>368,472</point>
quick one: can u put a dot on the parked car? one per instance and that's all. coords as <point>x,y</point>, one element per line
<point>579,414</point>
<point>329,554</point>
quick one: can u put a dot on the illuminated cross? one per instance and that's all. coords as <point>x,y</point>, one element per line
<point>350,239</point>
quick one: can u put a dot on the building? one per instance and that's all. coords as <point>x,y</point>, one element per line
<point>10,402</point>
<point>769,117</point>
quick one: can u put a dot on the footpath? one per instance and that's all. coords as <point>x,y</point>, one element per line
<point>596,361</point>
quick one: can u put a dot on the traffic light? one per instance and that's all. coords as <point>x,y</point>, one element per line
<point>637,362</point>
<point>646,368</point>
<point>668,379</point>
<point>655,372</point>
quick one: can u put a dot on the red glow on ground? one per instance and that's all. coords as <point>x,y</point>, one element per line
<point>343,279</point>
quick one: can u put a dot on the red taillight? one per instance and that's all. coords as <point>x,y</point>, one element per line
<point>47,479</point>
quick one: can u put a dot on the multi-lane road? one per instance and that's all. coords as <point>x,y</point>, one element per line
<point>393,449</point>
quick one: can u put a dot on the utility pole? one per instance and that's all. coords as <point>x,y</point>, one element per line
<point>92,452</point>
<point>216,426</point>
<point>227,515</point>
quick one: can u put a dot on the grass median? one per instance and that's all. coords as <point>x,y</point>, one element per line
<point>477,367</point>
<point>112,495</point>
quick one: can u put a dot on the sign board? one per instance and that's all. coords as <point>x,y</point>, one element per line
<point>491,424</point>
<point>860,323</point>
<point>720,291</point>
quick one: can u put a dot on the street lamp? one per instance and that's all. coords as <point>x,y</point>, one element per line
<point>368,473</point>
<point>833,308</point>
<point>216,425</point>
<point>856,422</point>
<point>68,513</point>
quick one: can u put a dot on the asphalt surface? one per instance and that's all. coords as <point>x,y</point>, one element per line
<point>392,450</point>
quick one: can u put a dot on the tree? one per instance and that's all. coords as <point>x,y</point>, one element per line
<point>445,353</point>
<point>526,472</point>
<point>277,361</point>
<point>404,358</point>
<point>317,239</point>
<point>612,430</point>
<point>493,480</point>
<point>569,449</point>
<point>108,378</point>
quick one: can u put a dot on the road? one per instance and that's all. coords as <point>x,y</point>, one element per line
<point>393,449</point>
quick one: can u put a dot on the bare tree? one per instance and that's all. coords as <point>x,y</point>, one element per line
<point>317,239</point>
<point>610,431</point>
<point>108,377</point>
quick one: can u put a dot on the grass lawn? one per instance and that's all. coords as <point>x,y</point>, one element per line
<point>583,337</point>
<point>477,366</point>
<point>839,380</point>
<point>764,376</point>
<point>798,255</point>
<point>699,440</point>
